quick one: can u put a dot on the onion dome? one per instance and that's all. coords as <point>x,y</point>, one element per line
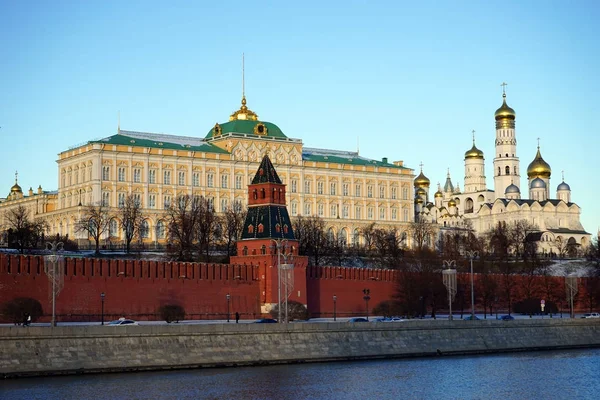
<point>474,153</point>
<point>421,181</point>
<point>504,112</point>
<point>538,183</point>
<point>418,200</point>
<point>420,192</point>
<point>438,194</point>
<point>511,189</point>
<point>539,167</point>
<point>16,188</point>
<point>244,113</point>
<point>563,186</point>
<point>452,203</point>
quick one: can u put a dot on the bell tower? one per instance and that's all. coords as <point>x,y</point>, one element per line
<point>506,162</point>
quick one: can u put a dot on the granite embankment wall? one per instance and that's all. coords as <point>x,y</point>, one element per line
<point>89,349</point>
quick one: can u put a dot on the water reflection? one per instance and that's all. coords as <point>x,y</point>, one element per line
<point>539,375</point>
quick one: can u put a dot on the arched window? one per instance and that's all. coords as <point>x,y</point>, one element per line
<point>263,195</point>
<point>261,228</point>
<point>507,170</point>
<point>277,228</point>
<point>245,251</point>
<point>499,171</point>
<point>145,229</point>
<point>160,230</point>
<point>285,229</point>
<point>251,228</point>
<point>263,249</point>
<point>255,194</point>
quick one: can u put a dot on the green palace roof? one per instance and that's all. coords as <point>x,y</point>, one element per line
<point>247,127</point>
<point>161,141</point>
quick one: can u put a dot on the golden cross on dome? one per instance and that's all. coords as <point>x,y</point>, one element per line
<point>16,176</point>
<point>563,174</point>
<point>473,132</point>
<point>538,139</point>
<point>243,81</point>
<point>421,165</point>
<point>504,84</point>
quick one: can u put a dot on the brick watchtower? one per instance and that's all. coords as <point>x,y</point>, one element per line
<point>266,231</point>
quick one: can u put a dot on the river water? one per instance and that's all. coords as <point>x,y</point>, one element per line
<point>568,374</point>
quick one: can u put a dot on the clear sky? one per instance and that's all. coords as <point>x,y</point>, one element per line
<point>409,81</point>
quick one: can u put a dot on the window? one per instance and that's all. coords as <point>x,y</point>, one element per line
<point>121,174</point>
<point>333,210</point>
<point>405,215</point>
<point>369,190</point>
<point>105,174</point>
<point>238,181</point>
<point>294,208</point>
<point>137,199</point>
<point>224,205</point>
<point>144,229</point>
<point>160,230</point>
<point>195,179</point>
<point>370,212</point>
<point>76,177</point>
<point>320,210</point>
<point>381,213</point>
<point>345,211</point>
<point>167,177</point>
<point>507,170</point>
<point>381,192</point>
<point>210,180</point>
<point>307,210</point>
<point>333,188</point>
<point>499,171</point>
<point>211,203</point>
<point>167,202</point>
<point>106,199</point>
<point>345,189</point>
<point>357,212</point>
<point>404,193</point>
<point>357,190</point>
<point>113,228</point>
<point>394,214</point>
<point>515,170</point>
<point>121,200</point>
<point>152,176</point>
<point>181,178</point>
<point>152,201</point>
<point>294,186</point>
<point>306,186</point>
<point>320,186</point>
<point>137,175</point>
<point>394,193</point>
<point>224,181</point>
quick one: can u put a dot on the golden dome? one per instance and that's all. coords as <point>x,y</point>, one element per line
<point>418,200</point>
<point>474,153</point>
<point>504,112</point>
<point>438,194</point>
<point>420,192</point>
<point>452,203</point>
<point>244,113</point>
<point>539,167</point>
<point>422,181</point>
<point>16,188</point>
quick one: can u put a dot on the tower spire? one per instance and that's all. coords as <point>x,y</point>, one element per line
<point>16,176</point>
<point>118,121</point>
<point>504,84</point>
<point>243,80</point>
<point>473,131</point>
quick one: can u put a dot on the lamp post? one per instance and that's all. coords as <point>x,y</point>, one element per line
<point>449,279</point>
<point>280,245</point>
<point>228,297</point>
<point>366,298</point>
<point>102,308</point>
<point>334,306</point>
<point>56,274</point>
<point>472,254</point>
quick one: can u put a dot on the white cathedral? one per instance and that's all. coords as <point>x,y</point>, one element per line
<point>557,219</point>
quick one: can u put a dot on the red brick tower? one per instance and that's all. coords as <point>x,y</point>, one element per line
<point>268,238</point>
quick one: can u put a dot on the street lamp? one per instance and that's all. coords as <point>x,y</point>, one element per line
<point>366,298</point>
<point>280,245</point>
<point>334,305</point>
<point>472,254</point>
<point>228,297</point>
<point>102,301</point>
<point>572,289</point>
<point>449,279</point>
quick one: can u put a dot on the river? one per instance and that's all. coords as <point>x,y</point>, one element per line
<point>567,374</point>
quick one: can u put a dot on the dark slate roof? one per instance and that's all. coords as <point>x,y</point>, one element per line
<point>269,216</point>
<point>520,202</point>
<point>343,157</point>
<point>266,172</point>
<point>161,141</point>
<point>567,230</point>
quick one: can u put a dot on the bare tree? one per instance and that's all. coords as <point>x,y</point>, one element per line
<point>368,233</point>
<point>131,219</point>
<point>207,225</point>
<point>422,234</point>
<point>310,233</point>
<point>182,219</point>
<point>23,231</point>
<point>94,222</point>
<point>517,232</point>
<point>389,246</point>
<point>232,224</point>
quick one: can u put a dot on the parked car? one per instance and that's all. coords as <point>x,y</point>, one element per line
<point>358,319</point>
<point>381,319</point>
<point>506,318</point>
<point>472,318</point>
<point>122,322</point>
<point>266,321</point>
<point>591,315</point>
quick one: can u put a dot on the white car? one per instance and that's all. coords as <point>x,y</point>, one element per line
<point>591,315</point>
<point>122,322</point>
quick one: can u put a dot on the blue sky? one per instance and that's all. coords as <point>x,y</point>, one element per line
<point>408,81</point>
